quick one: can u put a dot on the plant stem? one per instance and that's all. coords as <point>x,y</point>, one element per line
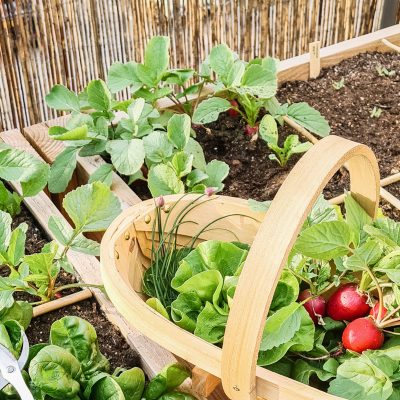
<point>198,97</point>
<point>380,294</point>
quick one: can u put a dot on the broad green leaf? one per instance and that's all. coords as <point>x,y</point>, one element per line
<point>390,265</point>
<point>281,326</point>
<point>135,109</point>
<point>193,147</point>
<point>286,292</point>
<point>356,216</point>
<point>78,133</point>
<point>156,305</point>
<point>209,110</point>
<point>325,241</point>
<point>92,207</point>
<point>78,119</point>
<point>20,311</point>
<point>302,371</point>
<point>178,130</point>
<point>359,379</point>
<point>5,230</point>
<point>62,169</point>
<point>156,55</point>
<point>235,74</point>
<point>85,245</point>
<point>18,165</point>
<point>162,180</point>
<point>102,174</point>
<point>127,156</point>
<point>61,230</point>
<point>179,77</point>
<point>132,383</point>
<point>157,147</point>
<point>364,256</point>
<point>259,82</point>
<point>56,372</point>
<point>268,129</point>
<point>16,247</point>
<point>196,176</point>
<point>322,211</point>
<point>11,336</point>
<point>309,118</point>
<point>217,171</point>
<point>99,96</point>
<point>211,324</point>
<point>106,389</point>
<point>302,340</point>
<point>79,337</point>
<point>61,98</point>
<point>221,60</point>
<point>182,163</point>
<point>121,76</point>
<point>41,264</point>
<point>390,228</point>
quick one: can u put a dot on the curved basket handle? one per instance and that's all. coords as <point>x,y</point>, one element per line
<point>272,244</point>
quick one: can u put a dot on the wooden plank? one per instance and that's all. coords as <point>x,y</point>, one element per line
<point>153,356</point>
<point>297,68</point>
<point>315,60</point>
<point>48,149</point>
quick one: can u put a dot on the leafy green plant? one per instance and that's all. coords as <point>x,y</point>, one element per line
<point>383,71</point>
<point>91,208</point>
<point>334,254</point>
<point>268,131</point>
<point>24,168</point>
<point>376,112</point>
<point>250,88</point>
<point>71,366</point>
<point>143,144</point>
<point>339,84</point>
<point>153,79</point>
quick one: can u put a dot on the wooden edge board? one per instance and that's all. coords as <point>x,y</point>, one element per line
<point>49,149</point>
<point>297,68</point>
<point>153,356</point>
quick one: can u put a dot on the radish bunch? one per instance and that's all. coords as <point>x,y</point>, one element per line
<point>366,324</point>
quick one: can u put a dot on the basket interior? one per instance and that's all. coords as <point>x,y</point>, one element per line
<point>228,219</point>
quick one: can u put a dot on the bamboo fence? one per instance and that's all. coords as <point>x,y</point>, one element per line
<point>44,42</point>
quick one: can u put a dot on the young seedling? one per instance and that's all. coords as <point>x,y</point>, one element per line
<point>268,131</point>
<point>383,71</point>
<point>376,112</point>
<point>91,208</point>
<point>338,84</point>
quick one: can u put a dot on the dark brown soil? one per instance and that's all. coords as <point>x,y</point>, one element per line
<point>253,175</point>
<point>111,342</point>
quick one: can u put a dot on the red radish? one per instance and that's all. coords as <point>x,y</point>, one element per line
<point>316,306</point>
<point>347,304</point>
<point>375,311</point>
<point>362,334</point>
<point>232,112</point>
<point>251,130</point>
<point>57,295</point>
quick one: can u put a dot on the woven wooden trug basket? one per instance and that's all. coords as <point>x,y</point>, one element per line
<point>126,246</point>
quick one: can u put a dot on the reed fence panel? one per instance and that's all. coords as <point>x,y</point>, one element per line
<point>43,42</point>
